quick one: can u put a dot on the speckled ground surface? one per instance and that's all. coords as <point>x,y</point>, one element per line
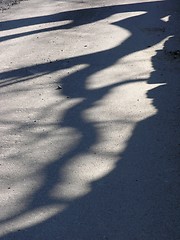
<point>89,120</point>
<point>6,4</point>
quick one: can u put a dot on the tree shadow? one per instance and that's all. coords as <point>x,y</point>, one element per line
<point>138,199</point>
<point>74,19</point>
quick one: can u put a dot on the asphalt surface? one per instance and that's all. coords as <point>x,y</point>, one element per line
<point>6,4</point>
<point>89,120</point>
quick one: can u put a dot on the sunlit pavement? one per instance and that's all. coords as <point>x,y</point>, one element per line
<point>89,121</point>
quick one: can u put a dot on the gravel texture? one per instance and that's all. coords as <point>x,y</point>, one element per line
<point>6,4</point>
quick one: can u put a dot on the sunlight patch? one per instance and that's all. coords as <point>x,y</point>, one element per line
<point>37,27</point>
<point>31,218</point>
<point>70,190</point>
<point>165,19</point>
<point>122,16</point>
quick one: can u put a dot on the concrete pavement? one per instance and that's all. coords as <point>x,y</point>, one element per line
<point>89,103</point>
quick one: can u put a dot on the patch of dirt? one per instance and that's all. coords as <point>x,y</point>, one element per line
<point>6,4</point>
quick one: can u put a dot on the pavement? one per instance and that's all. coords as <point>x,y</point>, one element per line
<point>89,120</point>
<point>6,4</point>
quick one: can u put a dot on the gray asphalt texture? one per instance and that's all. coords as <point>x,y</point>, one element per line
<point>6,4</point>
<point>89,120</point>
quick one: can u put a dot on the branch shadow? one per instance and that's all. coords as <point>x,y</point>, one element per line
<point>75,18</point>
<point>138,199</point>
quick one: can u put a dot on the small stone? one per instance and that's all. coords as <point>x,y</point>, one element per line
<point>59,87</point>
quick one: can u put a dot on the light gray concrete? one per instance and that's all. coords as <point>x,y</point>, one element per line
<point>89,103</point>
<point>6,4</point>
